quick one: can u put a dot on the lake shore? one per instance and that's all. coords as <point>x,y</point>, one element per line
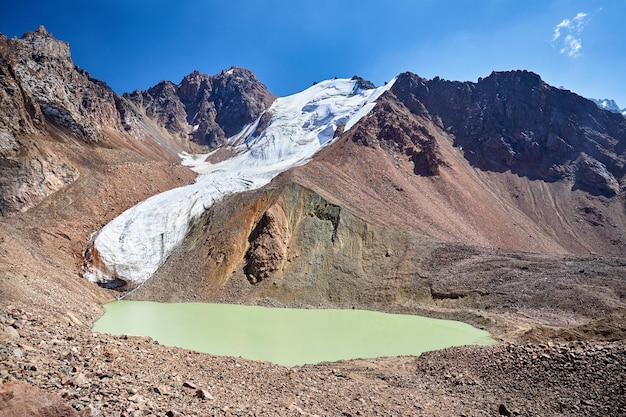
<point>103,375</point>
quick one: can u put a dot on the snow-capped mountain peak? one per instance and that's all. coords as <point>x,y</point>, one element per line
<point>610,105</point>
<point>133,246</point>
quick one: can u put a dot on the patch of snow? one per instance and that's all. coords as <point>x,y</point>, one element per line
<point>608,104</point>
<point>137,242</point>
<point>195,128</point>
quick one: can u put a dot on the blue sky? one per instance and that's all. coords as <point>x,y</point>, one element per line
<point>133,44</point>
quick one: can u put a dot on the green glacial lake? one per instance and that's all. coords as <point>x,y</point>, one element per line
<point>285,336</point>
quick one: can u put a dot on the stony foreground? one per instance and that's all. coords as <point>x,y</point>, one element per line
<point>102,375</point>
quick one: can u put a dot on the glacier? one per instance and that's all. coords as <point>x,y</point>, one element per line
<point>137,242</point>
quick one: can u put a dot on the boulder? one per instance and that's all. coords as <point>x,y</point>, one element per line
<point>19,399</point>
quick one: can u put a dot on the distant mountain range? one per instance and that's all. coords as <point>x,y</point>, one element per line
<point>610,105</point>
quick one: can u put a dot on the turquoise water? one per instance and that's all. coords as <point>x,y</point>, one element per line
<point>285,336</point>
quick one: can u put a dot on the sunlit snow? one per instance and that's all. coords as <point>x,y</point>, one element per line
<point>136,243</point>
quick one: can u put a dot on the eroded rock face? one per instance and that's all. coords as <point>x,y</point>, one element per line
<point>268,245</point>
<point>391,128</point>
<point>30,179</point>
<point>39,85</point>
<point>594,177</point>
<point>162,104</point>
<point>239,99</point>
<point>206,109</point>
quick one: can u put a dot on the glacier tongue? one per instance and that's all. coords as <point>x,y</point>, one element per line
<point>137,242</point>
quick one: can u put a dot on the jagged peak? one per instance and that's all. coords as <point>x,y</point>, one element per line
<point>41,30</point>
<point>160,87</point>
<point>39,33</point>
<point>195,74</point>
<point>498,76</point>
<point>44,43</point>
<point>234,70</point>
<point>236,74</point>
<point>195,81</point>
<point>408,75</point>
<point>362,83</point>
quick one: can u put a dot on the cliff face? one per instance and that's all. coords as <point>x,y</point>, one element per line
<point>36,88</point>
<point>288,243</point>
<point>206,109</point>
<point>44,84</point>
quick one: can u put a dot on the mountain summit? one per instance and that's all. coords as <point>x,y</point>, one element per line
<point>206,109</point>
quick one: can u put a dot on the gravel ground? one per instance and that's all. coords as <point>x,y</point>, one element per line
<point>103,375</point>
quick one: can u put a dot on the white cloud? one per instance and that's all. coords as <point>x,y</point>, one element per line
<point>568,34</point>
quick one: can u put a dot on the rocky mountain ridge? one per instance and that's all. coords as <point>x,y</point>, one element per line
<point>45,96</point>
<point>214,107</point>
<point>513,121</point>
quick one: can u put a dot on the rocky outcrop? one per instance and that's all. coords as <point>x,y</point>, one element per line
<point>26,180</point>
<point>161,104</point>
<point>206,109</point>
<point>45,85</point>
<point>594,177</point>
<point>239,99</point>
<point>390,127</point>
<point>268,245</point>
<point>289,243</point>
